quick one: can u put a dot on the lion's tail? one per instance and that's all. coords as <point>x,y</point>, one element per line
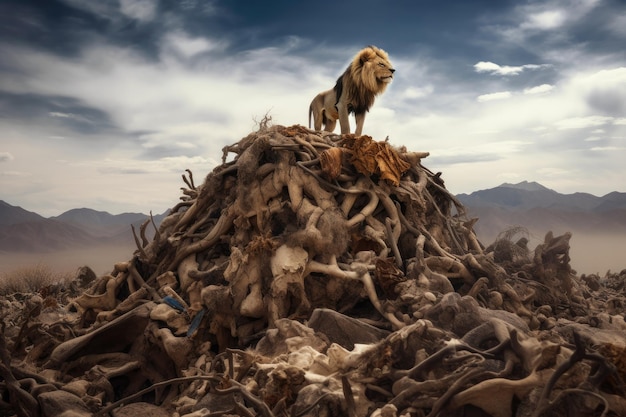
<point>310,113</point>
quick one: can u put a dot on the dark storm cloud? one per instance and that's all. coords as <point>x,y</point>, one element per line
<point>47,24</point>
<point>67,112</point>
<point>594,32</point>
<point>64,28</point>
<point>570,33</point>
<point>399,26</point>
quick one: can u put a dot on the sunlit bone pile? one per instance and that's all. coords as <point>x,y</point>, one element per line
<point>313,274</point>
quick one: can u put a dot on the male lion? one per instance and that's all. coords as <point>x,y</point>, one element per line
<point>367,76</point>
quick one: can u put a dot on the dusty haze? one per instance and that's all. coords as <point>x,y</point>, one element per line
<point>598,253</point>
<point>101,259</point>
<point>590,253</point>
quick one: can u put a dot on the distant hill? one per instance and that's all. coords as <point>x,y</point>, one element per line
<point>25,231</point>
<point>11,215</point>
<point>612,201</point>
<point>540,209</point>
<point>526,195</point>
<point>43,236</point>
<point>101,223</point>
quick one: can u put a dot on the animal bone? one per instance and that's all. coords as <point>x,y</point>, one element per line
<point>482,394</point>
<point>177,348</point>
<point>113,336</point>
<point>288,265</point>
<point>174,319</point>
<point>102,302</point>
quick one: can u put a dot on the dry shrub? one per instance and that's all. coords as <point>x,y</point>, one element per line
<point>32,279</point>
<point>511,247</point>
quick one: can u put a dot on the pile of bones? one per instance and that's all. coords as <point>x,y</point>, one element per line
<point>315,274</point>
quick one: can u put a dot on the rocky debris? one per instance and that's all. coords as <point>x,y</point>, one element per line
<point>313,274</point>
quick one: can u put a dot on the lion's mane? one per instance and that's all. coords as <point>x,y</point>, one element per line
<point>363,79</point>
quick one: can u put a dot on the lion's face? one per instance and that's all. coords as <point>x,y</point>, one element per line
<point>382,69</point>
<point>372,67</point>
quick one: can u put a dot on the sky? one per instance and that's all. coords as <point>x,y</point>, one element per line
<point>104,104</point>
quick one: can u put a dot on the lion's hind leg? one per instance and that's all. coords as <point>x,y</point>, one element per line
<point>316,109</point>
<point>318,120</point>
<point>329,123</point>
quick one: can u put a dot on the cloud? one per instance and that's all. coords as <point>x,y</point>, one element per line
<point>606,148</point>
<point>606,91</point>
<point>13,174</point>
<point>540,89</point>
<point>54,111</point>
<point>166,164</point>
<point>417,92</point>
<point>618,24</point>
<point>583,122</point>
<point>187,46</point>
<point>71,116</point>
<point>59,114</point>
<point>478,152</point>
<point>105,8</point>
<point>552,172</point>
<point>114,10</point>
<point>492,68</point>
<point>143,10</point>
<point>494,96</point>
<point>553,14</point>
<point>545,20</point>
<point>593,139</point>
<point>6,157</point>
<point>555,30</point>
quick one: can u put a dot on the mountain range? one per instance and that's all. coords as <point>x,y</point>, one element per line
<point>527,195</point>
<point>540,209</point>
<point>25,231</point>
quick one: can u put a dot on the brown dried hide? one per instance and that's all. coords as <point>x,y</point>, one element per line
<point>370,157</point>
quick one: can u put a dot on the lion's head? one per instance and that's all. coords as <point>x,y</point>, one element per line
<point>371,68</point>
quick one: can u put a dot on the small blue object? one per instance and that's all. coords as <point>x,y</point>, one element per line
<point>174,303</point>
<point>195,323</point>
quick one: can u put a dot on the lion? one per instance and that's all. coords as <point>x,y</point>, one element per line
<point>366,77</point>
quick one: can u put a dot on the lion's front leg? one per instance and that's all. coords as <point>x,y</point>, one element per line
<point>360,119</point>
<point>344,119</point>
